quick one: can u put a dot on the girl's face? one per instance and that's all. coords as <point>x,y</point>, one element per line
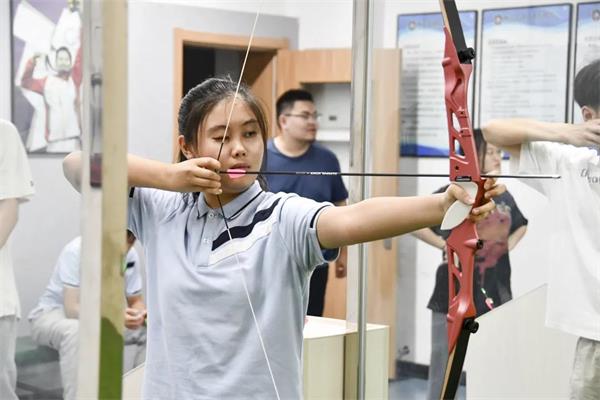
<point>492,159</point>
<point>243,147</point>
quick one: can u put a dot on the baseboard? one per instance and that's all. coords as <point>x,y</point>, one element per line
<point>408,369</point>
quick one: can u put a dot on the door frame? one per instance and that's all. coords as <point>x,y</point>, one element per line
<point>266,45</point>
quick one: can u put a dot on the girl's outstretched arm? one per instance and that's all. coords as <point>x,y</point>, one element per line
<point>383,217</point>
<point>194,175</point>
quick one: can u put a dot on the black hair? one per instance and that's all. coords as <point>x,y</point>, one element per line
<point>286,101</point>
<point>480,146</point>
<point>202,99</point>
<point>66,50</point>
<point>586,89</point>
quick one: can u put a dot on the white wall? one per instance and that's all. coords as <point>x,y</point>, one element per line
<point>323,23</point>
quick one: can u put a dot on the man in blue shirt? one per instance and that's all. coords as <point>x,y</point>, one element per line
<point>295,150</point>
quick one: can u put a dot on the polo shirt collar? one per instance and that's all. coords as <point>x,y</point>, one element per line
<point>233,206</point>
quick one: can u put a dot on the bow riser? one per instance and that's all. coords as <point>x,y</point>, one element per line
<point>463,167</point>
<point>463,241</point>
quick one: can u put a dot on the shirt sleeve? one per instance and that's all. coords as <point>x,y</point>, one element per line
<point>298,227</point>
<point>549,158</point>
<point>133,277</point>
<point>68,264</point>
<point>146,207</point>
<point>15,174</point>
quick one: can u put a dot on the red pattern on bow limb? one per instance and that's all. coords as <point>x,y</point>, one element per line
<point>463,241</point>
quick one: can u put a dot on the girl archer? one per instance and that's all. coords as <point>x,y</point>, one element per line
<point>228,263</point>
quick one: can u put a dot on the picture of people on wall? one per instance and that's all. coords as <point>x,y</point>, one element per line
<point>47,74</point>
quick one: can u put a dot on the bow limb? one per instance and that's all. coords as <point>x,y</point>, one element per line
<point>463,241</point>
<point>240,269</point>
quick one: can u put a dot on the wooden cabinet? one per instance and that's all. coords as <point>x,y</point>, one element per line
<point>329,362</point>
<point>298,67</point>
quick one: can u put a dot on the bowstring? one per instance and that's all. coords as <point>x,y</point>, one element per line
<point>244,283</point>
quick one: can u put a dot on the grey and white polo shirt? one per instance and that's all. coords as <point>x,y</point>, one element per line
<point>202,342</point>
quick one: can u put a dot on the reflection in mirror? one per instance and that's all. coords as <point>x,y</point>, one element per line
<point>532,234</point>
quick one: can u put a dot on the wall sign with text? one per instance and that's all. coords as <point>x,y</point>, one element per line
<point>424,129</point>
<point>524,61</point>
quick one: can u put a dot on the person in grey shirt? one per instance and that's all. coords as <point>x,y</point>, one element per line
<point>55,319</point>
<point>228,286</point>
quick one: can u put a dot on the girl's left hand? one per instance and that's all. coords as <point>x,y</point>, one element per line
<point>492,189</point>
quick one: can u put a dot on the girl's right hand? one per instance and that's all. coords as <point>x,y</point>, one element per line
<point>195,175</point>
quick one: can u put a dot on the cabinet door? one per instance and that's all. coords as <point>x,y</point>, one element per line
<point>385,149</point>
<point>297,67</point>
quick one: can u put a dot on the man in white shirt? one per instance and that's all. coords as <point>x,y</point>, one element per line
<point>54,322</point>
<point>573,303</point>
<point>16,187</point>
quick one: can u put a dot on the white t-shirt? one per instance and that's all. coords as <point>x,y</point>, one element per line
<point>15,183</point>
<point>67,273</point>
<point>573,303</point>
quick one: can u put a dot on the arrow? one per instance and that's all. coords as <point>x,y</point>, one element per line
<point>238,173</point>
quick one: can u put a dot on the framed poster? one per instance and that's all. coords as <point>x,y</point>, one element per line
<point>525,63</point>
<point>47,74</point>
<point>424,130</point>
<point>587,42</point>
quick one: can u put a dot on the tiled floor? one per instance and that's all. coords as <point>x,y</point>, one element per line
<point>47,376</point>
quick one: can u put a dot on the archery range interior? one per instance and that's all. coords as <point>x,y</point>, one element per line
<point>374,70</point>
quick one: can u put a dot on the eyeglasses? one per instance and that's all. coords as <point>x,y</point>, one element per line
<point>306,116</point>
